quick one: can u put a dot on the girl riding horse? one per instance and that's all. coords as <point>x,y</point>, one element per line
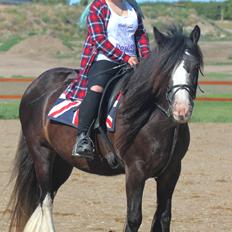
<point>151,136</point>
<point>115,34</point>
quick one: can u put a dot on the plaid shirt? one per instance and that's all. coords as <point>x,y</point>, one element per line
<point>96,41</point>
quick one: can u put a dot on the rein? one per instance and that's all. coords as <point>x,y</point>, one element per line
<point>165,112</point>
<point>124,68</point>
<point>169,96</point>
<point>175,137</point>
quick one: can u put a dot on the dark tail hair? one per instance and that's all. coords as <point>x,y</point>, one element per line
<point>25,196</point>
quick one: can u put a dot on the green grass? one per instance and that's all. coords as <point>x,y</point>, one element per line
<point>16,76</point>
<point>60,55</point>
<point>9,109</point>
<point>23,21</point>
<point>60,21</point>
<point>217,76</point>
<point>203,111</point>
<point>212,112</point>
<point>9,43</point>
<point>229,62</point>
<point>226,95</point>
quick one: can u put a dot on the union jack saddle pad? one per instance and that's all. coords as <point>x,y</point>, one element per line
<point>66,111</point>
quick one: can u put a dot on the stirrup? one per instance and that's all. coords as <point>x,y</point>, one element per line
<point>84,147</point>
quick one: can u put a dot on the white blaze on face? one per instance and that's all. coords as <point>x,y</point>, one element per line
<point>181,102</point>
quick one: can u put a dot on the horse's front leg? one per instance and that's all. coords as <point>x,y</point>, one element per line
<point>165,187</point>
<point>135,182</point>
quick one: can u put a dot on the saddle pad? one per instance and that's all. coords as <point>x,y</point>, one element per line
<point>66,112</point>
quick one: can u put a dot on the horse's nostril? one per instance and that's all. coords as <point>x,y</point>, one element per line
<point>181,117</point>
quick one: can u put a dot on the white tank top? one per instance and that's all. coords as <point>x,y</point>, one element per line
<point>121,30</point>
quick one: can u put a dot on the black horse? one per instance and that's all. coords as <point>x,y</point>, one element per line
<point>151,137</point>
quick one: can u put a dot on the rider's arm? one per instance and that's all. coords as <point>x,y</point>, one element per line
<point>97,30</point>
<point>142,39</point>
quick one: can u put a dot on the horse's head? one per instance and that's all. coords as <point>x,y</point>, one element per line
<point>183,62</point>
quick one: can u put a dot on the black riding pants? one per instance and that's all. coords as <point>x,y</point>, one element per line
<point>99,74</point>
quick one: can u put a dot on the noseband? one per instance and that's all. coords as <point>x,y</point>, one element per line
<point>170,93</point>
<point>170,96</point>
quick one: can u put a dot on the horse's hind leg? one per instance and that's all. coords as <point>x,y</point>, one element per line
<point>165,187</point>
<point>61,172</point>
<point>41,218</point>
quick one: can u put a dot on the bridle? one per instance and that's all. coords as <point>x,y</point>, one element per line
<point>172,90</point>
<point>170,94</point>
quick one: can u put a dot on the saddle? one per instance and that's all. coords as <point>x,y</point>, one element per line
<point>66,111</point>
<point>109,96</point>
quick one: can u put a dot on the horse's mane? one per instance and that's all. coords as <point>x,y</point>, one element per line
<point>149,82</point>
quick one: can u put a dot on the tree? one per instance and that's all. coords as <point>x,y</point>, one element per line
<point>228,10</point>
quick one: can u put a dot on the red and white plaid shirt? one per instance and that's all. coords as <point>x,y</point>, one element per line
<point>96,41</point>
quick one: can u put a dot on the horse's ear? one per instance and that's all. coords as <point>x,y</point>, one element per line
<point>159,37</point>
<point>195,34</point>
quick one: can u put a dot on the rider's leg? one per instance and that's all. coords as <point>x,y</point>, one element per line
<point>88,110</point>
<point>98,78</point>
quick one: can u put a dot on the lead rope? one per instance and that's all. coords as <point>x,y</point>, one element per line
<point>161,172</point>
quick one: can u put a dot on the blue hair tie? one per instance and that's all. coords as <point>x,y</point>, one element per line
<point>82,21</point>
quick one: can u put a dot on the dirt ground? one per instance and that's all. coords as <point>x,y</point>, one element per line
<point>89,203</point>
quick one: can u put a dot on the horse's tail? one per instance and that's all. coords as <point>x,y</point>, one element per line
<point>25,195</point>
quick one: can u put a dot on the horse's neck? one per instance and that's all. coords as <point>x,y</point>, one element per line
<point>161,123</point>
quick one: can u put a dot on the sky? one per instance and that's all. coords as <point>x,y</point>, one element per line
<point>178,1</point>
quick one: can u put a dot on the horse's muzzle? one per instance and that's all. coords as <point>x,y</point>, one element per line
<point>182,112</point>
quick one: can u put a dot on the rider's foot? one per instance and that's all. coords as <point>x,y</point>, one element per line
<point>83,147</point>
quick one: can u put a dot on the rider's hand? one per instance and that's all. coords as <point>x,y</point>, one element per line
<point>133,61</point>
